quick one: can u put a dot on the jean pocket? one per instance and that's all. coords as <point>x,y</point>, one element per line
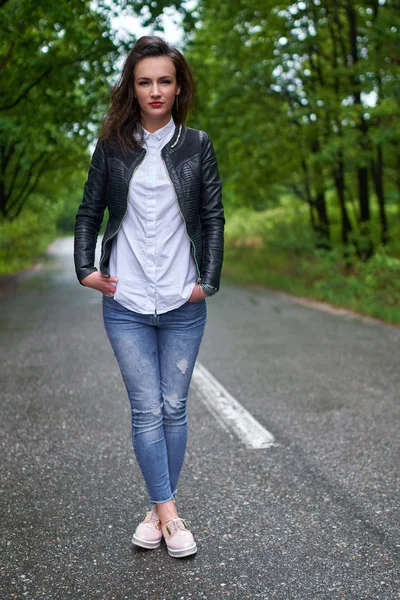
<point>195,301</point>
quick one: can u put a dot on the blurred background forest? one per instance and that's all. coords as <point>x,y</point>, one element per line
<point>301,100</point>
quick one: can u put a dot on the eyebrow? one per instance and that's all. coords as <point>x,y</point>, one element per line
<point>148,78</point>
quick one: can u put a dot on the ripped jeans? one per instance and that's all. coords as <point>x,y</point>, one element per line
<point>156,355</point>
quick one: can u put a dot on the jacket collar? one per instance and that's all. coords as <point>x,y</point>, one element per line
<point>134,156</point>
<point>176,139</point>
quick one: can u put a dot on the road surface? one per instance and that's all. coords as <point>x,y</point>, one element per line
<point>315,515</point>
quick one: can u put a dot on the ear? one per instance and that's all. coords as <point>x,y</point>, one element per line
<point>178,90</point>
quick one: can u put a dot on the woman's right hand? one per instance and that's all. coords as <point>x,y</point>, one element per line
<point>97,281</point>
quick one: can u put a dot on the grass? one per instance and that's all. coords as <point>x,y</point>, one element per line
<point>275,248</point>
<point>23,241</point>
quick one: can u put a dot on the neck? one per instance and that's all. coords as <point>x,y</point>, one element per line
<point>152,125</point>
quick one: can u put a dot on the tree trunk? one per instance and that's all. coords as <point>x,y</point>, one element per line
<point>322,229</point>
<point>338,176</point>
<point>363,194</point>
<point>362,171</point>
<point>398,179</point>
<point>312,218</point>
<point>377,176</point>
<point>307,189</point>
<point>3,199</point>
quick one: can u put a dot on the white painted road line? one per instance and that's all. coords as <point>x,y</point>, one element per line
<point>229,412</point>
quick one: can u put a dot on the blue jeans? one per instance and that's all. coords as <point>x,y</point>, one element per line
<point>156,355</point>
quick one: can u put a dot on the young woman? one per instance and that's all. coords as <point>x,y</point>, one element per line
<point>161,258</point>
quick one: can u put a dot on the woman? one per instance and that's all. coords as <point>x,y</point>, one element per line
<point>161,258</point>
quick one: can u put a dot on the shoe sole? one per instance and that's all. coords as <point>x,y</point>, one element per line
<point>182,552</point>
<point>145,543</point>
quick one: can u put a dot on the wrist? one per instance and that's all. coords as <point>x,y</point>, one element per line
<point>208,289</point>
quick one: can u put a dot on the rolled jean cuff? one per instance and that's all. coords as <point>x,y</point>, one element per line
<point>162,501</point>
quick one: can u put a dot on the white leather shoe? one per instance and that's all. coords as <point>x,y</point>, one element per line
<point>148,533</point>
<point>179,539</point>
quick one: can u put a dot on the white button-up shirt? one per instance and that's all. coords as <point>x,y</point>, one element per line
<point>151,255</point>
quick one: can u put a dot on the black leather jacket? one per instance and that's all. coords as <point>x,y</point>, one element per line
<point>190,161</point>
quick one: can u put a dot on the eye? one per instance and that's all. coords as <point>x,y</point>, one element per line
<point>143,83</point>
<point>167,81</point>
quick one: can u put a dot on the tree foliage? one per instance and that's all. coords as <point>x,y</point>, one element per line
<point>299,97</point>
<point>304,95</point>
<point>55,62</point>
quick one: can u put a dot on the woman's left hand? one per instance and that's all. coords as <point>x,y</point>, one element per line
<point>197,295</point>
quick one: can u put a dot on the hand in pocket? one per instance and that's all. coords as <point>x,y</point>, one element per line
<point>197,294</point>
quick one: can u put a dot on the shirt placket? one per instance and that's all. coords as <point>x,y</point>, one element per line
<point>151,219</point>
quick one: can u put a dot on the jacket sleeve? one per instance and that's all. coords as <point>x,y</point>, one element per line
<point>90,214</point>
<point>211,218</point>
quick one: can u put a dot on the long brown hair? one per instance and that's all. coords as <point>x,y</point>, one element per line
<point>122,121</point>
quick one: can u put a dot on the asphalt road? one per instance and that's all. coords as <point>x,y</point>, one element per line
<point>315,516</point>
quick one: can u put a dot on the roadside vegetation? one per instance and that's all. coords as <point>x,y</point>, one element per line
<point>56,61</point>
<point>276,248</point>
<point>301,100</point>
<point>47,215</point>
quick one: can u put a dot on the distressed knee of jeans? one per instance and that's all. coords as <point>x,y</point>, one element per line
<point>172,399</point>
<point>156,410</point>
<point>174,408</point>
<point>182,365</point>
<point>146,420</point>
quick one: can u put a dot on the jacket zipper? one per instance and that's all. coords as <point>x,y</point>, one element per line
<point>184,222</point>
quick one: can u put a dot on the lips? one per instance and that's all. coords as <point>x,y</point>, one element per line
<point>156,104</point>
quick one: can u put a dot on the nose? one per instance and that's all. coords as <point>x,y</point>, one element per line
<point>155,91</point>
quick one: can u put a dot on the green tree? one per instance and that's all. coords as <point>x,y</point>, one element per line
<point>303,95</point>
<point>55,65</point>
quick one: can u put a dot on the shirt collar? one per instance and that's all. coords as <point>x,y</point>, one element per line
<point>160,134</point>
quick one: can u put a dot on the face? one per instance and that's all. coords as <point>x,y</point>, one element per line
<point>155,89</point>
